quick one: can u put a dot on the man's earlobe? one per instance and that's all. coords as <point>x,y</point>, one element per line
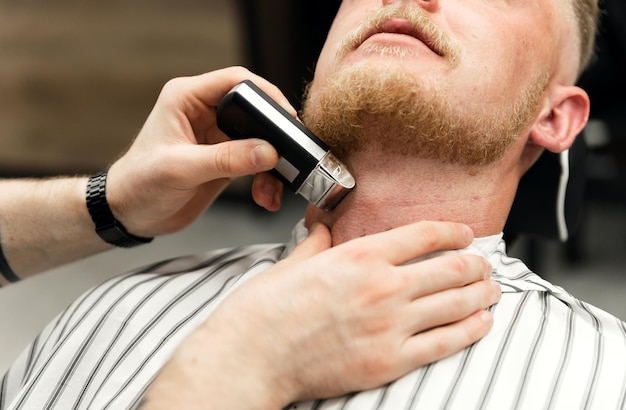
<point>562,118</point>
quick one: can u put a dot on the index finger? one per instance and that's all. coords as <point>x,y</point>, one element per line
<point>211,87</point>
<point>409,242</point>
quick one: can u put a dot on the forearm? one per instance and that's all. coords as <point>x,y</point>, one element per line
<point>45,223</point>
<point>212,372</point>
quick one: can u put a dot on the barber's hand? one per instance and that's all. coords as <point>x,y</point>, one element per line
<point>328,321</point>
<point>180,161</point>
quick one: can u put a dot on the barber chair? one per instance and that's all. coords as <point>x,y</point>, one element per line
<point>550,197</point>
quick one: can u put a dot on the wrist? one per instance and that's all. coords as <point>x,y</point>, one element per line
<point>108,228</point>
<point>123,194</point>
<point>209,371</point>
<point>235,358</point>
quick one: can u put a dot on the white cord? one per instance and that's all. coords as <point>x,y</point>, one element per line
<point>560,199</point>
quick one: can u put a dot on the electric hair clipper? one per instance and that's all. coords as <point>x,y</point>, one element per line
<point>305,166</point>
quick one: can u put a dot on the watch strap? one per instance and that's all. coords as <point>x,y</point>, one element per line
<point>107,227</point>
<point>5,268</point>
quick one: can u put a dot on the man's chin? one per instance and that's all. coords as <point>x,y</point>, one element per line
<point>385,107</point>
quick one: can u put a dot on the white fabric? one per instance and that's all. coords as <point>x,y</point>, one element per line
<point>546,350</point>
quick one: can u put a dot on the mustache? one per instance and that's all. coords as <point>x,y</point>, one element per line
<point>422,27</point>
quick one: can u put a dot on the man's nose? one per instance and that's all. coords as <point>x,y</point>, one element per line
<point>428,5</point>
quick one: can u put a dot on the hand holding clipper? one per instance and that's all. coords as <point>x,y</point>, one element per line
<point>306,165</point>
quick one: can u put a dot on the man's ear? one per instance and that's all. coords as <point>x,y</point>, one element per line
<point>562,118</point>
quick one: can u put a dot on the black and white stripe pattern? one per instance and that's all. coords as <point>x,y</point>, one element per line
<point>105,348</point>
<point>547,350</point>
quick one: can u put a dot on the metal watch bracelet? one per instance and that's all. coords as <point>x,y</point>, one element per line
<point>107,227</point>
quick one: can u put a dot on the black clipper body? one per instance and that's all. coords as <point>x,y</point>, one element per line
<point>306,166</point>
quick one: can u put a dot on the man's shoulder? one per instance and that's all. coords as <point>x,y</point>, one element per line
<point>240,256</point>
<point>122,331</point>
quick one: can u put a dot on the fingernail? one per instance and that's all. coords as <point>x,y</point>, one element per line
<point>270,192</point>
<point>277,198</point>
<point>288,107</point>
<point>261,156</point>
<point>468,234</point>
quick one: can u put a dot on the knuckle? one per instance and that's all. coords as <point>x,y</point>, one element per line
<point>222,159</point>
<point>379,366</point>
<point>427,234</point>
<point>469,268</point>
<point>474,329</point>
<point>460,301</point>
<point>441,347</point>
<point>173,86</point>
<point>484,294</point>
<point>404,279</point>
<point>359,251</point>
<point>373,294</point>
<point>459,263</point>
<point>173,91</point>
<point>240,71</point>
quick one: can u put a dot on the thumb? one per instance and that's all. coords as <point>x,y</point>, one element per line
<point>319,240</point>
<point>231,159</point>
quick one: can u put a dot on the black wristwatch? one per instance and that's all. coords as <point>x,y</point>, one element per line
<point>107,227</point>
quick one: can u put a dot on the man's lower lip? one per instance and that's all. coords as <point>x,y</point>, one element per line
<point>395,39</point>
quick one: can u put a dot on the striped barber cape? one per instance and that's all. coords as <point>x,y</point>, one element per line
<point>547,349</point>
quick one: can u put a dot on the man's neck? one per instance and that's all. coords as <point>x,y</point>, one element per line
<point>405,190</point>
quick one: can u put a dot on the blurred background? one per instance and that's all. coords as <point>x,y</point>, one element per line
<point>78,78</point>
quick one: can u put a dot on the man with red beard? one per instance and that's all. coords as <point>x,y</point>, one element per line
<point>438,108</point>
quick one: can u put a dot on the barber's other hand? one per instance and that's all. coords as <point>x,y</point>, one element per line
<point>328,321</point>
<point>180,161</point>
